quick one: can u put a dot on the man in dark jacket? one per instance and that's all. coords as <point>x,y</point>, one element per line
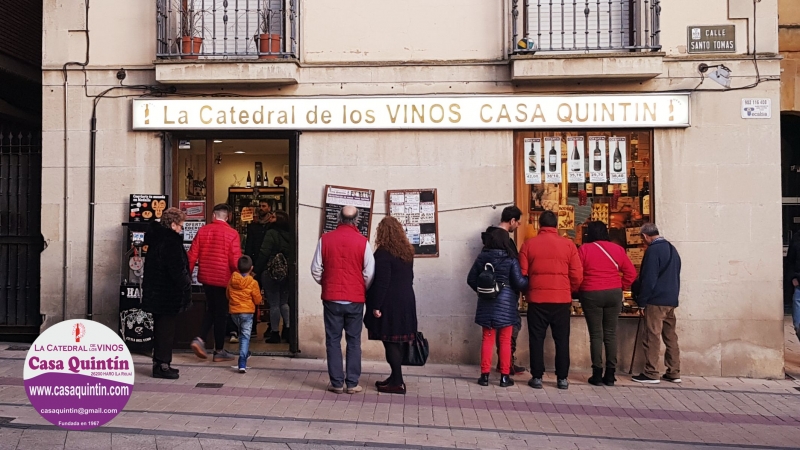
<point>257,230</point>
<point>660,284</point>
<point>509,221</point>
<point>166,287</point>
<point>277,241</point>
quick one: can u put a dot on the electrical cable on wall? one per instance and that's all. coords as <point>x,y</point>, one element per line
<point>465,208</point>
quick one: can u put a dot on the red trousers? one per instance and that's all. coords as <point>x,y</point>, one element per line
<point>504,352</point>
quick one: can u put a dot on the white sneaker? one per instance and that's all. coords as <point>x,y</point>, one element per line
<point>242,370</point>
<point>234,338</point>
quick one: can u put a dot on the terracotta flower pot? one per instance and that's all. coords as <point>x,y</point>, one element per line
<point>269,43</point>
<point>190,47</point>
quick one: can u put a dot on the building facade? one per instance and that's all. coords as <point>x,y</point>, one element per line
<point>466,97</point>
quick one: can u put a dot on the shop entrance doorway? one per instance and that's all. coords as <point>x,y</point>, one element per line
<point>257,177</point>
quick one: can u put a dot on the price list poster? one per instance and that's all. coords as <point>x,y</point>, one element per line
<point>337,197</point>
<point>417,210</point>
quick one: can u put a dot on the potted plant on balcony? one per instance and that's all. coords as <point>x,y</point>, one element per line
<point>270,26</point>
<point>191,38</point>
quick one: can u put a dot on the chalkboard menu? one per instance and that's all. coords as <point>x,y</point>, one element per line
<point>337,197</point>
<point>418,212</point>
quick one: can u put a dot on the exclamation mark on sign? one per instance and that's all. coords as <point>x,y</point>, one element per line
<point>147,113</point>
<point>671,112</point>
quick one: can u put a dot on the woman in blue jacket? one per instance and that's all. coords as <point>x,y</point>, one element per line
<point>499,314</point>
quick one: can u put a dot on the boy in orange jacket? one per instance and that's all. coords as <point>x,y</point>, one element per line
<point>243,296</point>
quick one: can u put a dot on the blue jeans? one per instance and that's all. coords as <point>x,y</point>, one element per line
<point>796,311</point>
<point>349,318</point>
<point>245,324</point>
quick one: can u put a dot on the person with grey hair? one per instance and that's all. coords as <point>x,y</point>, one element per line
<point>656,292</point>
<point>344,266</point>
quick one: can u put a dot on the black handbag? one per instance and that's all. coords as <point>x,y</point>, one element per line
<point>416,352</point>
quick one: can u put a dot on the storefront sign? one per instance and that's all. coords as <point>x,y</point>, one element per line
<point>756,108</point>
<point>433,113</point>
<point>78,374</point>
<point>711,39</point>
<point>533,160</point>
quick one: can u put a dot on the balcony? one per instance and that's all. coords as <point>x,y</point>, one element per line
<point>236,41</point>
<point>581,39</point>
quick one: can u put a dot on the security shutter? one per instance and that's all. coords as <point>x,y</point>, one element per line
<point>564,25</point>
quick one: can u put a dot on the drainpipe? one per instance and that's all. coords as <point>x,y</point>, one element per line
<point>92,179</point>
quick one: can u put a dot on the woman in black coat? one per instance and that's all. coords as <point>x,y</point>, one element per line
<point>166,287</point>
<point>499,314</point>
<point>391,314</point>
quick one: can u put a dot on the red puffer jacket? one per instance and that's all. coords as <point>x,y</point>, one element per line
<point>217,249</point>
<point>552,264</point>
<point>599,272</point>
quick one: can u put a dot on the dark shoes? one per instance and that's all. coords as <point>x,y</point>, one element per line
<point>535,383</point>
<point>563,383</point>
<point>285,333</point>
<point>484,379</point>
<point>164,371</point>
<point>608,378</point>
<point>642,378</point>
<point>506,381</point>
<point>671,378</point>
<point>597,376</point>
<point>387,389</point>
<point>385,382</point>
<point>274,338</point>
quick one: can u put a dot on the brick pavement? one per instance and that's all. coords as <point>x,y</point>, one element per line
<point>282,403</point>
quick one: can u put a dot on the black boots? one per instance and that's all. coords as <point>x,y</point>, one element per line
<point>274,338</point>
<point>597,376</point>
<point>506,381</point>
<point>608,378</point>
<point>164,371</point>
<point>285,333</point>
<point>484,379</point>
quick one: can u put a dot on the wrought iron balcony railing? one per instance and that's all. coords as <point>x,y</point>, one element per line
<point>220,29</point>
<point>576,26</point>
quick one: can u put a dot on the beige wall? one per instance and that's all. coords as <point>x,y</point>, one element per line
<point>717,184</point>
<point>789,43</point>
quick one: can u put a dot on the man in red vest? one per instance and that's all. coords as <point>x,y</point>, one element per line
<point>343,264</point>
<point>217,249</point>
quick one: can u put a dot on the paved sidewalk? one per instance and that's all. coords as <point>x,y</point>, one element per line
<point>282,403</point>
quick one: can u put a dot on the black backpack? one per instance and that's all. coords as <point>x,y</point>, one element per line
<point>488,287</point>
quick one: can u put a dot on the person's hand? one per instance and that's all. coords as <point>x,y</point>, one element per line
<point>641,312</point>
<point>376,313</point>
<point>795,283</point>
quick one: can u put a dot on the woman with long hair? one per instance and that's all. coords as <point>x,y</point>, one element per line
<point>606,270</point>
<point>497,315</point>
<point>166,287</point>
<point>391,314</point>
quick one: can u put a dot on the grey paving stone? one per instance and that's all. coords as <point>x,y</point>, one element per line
<point>80,440</point>
<point>42,439</point>
<point>132,442</point>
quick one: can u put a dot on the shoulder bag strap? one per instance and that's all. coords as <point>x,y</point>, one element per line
<point>606,253</point>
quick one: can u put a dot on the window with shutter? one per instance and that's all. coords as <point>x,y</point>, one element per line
<point>580,25</point>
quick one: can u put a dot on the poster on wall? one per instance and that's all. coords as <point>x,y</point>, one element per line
<point>417,210</point>
<point>533,160</point>
<point>195,210</point>
<point>597,159</point>
<point>337,197</point>
<point>552,158</point>
<point>190,229</point>
<point>617,160</point>
<point>575,155</point>
<point>147,207</point>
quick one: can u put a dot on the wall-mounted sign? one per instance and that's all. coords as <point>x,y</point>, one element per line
<point>412,113</point>
<point>756,108</point>
<point>147,207</point>
<point>711,39</point>
<point>417,211</point>
<point>337,197</point>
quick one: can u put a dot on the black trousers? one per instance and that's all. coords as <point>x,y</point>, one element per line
<point>163,337</point>
<point>557,317</point>
<point>216,315</point>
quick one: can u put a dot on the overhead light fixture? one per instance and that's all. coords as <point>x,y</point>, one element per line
<point>722,75</point>
<point>239,152</point>
<point>217,141</point>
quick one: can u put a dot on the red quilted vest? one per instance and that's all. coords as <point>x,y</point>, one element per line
<point>343,265</point>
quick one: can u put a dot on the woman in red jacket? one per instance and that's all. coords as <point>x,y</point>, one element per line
<point>606,270</point>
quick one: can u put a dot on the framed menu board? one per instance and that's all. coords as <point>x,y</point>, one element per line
<point>337,197</point>
<point>418,212</point>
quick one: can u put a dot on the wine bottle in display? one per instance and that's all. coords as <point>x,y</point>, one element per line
<point>551,158</point>
<point>266,179</point>
<point>645,198</point>
<point>575,160</point>
<point>598,157</point>
<point>533,164</point>
<point>598,190</point>
<point>572,189</point>
<point>633,184</point>
<point>617,159</point>
<point>258,179</point>
<point>249,181</point>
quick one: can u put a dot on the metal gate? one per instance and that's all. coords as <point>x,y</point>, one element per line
<point>21,241</point>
